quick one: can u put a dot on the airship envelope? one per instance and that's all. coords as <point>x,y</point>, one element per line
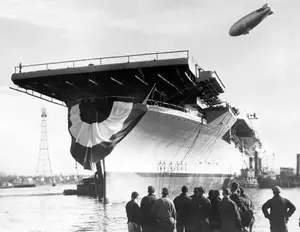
<point>248,22</point>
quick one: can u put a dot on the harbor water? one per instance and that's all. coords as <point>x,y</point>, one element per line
<point>45,208</point>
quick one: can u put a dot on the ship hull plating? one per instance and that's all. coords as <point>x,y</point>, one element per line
<point>169,148</point>
<point>120,185</point>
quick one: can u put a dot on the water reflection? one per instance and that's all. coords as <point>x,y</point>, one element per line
<point>98,217</point>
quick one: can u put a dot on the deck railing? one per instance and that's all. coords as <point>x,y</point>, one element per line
<point>106,60</point>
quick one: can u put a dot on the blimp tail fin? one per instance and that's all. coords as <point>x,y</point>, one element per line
<point>265,6</point>
<point>271,12</point>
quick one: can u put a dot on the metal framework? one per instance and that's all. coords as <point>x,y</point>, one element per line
<point>44,165</point>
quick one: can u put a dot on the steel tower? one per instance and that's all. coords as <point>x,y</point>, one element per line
<point>44,164</point>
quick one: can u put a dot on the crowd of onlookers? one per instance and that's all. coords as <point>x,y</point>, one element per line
<point>232,213</point>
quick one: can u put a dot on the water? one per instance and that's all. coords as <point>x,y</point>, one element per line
<point>46,209</point>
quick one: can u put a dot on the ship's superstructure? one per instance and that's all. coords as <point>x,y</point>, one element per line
<point>154,118</point>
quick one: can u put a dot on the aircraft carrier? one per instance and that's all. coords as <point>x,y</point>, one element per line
<point>145,119</point>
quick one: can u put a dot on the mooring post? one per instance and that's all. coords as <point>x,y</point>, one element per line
<point>105,199</point>
<point>99,181</point>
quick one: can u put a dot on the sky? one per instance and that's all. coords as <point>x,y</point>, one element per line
<point>259,70</point>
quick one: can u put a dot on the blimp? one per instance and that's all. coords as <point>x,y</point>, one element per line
<point>248,22</point>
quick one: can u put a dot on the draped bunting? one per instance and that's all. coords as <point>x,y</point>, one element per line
<point>96,127</point>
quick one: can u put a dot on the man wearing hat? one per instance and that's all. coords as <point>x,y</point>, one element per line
<point>230,216</point>
<point>204,210</point>
<point>236,197</point>
<point>182,203</point>
<point>147,208</point>
<point>250,207</point>
<point>193,223</point>
<point>280,211</point>
<point>133,214</point>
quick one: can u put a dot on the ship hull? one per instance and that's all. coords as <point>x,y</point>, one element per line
<point>135,115</point>
<point>120,185</point>
<point>170,149</point>
<point>164,139</point>
<point>153,145</point>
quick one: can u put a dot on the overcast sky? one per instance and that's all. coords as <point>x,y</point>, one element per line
<point>259,70</point>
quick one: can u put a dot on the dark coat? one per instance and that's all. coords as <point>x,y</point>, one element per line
<point>280,210</point>
<point>247,201</point>
<point>147,208</point>
<point>182,204</point>
<point>200,208</point>
<point>215,212</point>
<point>230,217</point>
<point>193,223</point>
<point>205,208</point>
<point>238,201</point>
<point>133,212</point>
